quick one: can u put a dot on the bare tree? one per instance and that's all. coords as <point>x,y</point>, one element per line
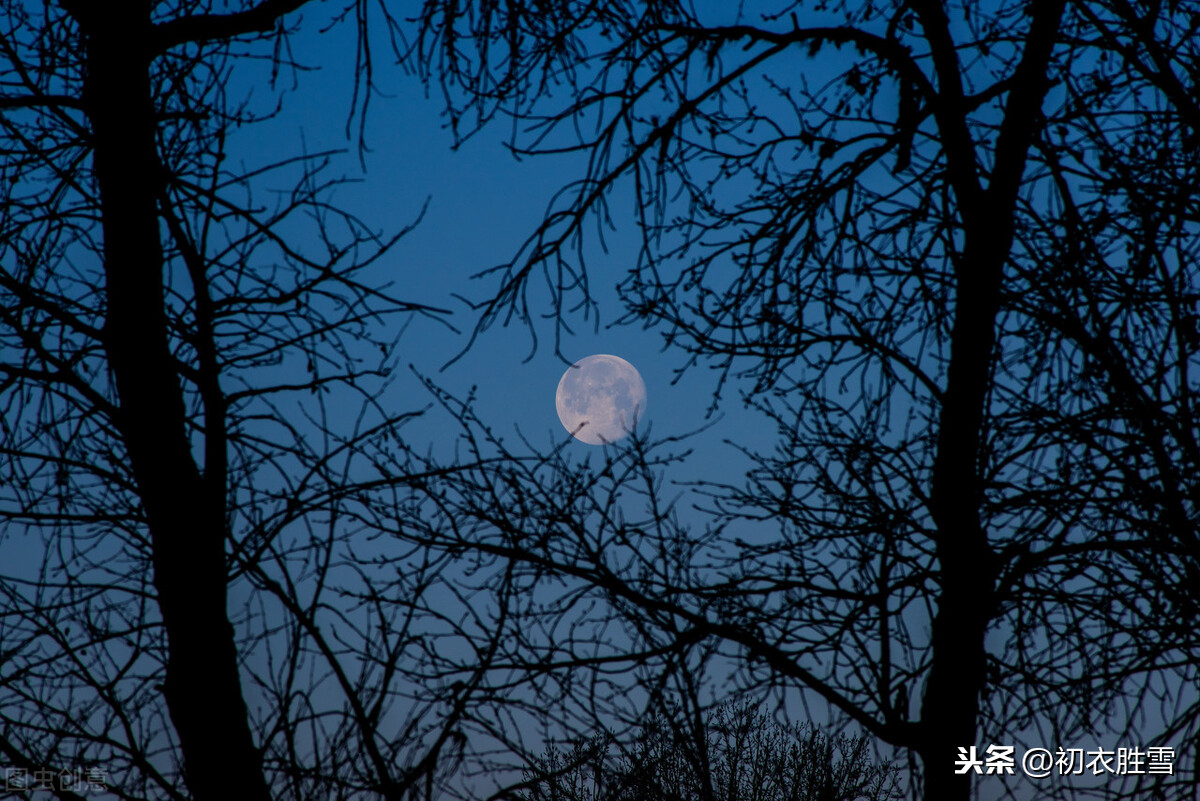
<point>191,356</point>
<point>951,250</point>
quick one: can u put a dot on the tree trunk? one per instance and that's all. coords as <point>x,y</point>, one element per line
<point>184,511</point>
<point>967,565</point>
<point>957,673</point>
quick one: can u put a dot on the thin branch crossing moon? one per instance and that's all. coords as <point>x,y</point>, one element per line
<point>600,399</point>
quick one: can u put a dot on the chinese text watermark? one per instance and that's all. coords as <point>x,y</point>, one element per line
<point>1039,763</point>
<point>78,781</point>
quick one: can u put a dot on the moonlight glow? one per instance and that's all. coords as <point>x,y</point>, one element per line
<point>600,399</point>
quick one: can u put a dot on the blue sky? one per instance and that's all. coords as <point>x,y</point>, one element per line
<point>482,203</point>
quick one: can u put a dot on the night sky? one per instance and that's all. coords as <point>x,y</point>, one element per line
<point>480,203</point>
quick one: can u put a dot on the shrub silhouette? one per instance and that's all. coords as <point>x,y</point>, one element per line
<point>735,753</point>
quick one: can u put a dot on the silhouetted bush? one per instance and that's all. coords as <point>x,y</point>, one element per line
<point>735,754</point>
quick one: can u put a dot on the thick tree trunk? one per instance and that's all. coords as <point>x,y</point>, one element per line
<point>957,674</point>
<point>967,564</point>
<point>184,511</point>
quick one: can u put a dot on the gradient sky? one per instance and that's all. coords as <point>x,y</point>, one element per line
<point>482,203</point>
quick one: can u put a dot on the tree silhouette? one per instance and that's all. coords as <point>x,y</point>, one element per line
<point>949,249</point>
<point>188,608</point>
<point>952,248</point>
<point>736,752</point>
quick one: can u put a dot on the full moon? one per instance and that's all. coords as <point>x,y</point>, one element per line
<point>600,399</point>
